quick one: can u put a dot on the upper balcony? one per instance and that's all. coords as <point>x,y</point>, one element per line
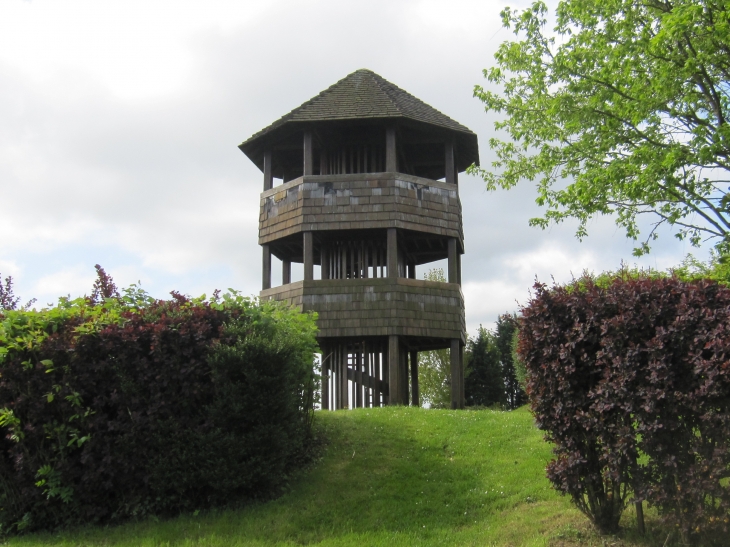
<point>360,201</point>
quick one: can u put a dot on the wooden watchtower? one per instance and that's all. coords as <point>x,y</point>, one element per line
<point>369,190</point>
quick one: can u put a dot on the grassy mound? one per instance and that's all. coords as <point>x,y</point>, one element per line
<point>391,476</point>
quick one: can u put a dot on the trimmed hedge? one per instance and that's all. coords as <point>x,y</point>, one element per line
<point>631,381</point>
<point>132,407</point>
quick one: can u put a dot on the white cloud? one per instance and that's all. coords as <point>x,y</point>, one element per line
<point>121,121</point>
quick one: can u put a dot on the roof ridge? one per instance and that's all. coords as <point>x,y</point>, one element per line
<point>379,81</point>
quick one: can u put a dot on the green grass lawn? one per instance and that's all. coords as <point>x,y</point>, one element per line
<point>393,476</point>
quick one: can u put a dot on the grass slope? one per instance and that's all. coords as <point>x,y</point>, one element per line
<point>390,476</point>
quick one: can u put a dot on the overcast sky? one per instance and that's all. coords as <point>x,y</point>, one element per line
<point>119,126</point>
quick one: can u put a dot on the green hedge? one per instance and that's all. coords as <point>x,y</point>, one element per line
<point>131,406</point>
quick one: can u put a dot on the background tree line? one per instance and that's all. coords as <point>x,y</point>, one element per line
<point>489,377</point>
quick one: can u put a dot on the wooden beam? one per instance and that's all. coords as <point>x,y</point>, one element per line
<point>456,375</point>
<point>324,260</point>
<point>268,174</point>
<point>453,259</point>
<point>390,150</point>
<point>394,369</point>
<point>325,377</point>
<point>308,256</point>
<point>266,268</point>
<point>308,154</point>
<point>392,253</point>
<point>462,394</point>
<point>449,162</point>
<point>285,272</point>
<point>415,395</point>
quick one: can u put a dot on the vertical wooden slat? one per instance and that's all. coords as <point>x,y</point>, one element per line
<point>324,262</point>
<point>352,260</point>
<point>266,267</point>
<point>323,162</point>
<point>358,376</point>
<point>455,373</point>
<point>285,272</point>
<point>394,362</point>
<point>449,162</point>
<point>404,376</point>
<point>390,150</point>
<point>392,258</point>
<point>308,154</point>
<point>308,256</point>
<point>452,254</point>
<point>345,395</point>
<point>325,378</point>
<point>268,174</point>
<point>462,394</point>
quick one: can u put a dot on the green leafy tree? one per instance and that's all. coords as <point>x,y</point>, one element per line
<point>484,383</point>
<point>503,334</point>
<point>621,109</point>
<point>434,367</point>
<point>434,378</point>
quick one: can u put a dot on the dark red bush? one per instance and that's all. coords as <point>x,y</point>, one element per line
<point>631,381</point>
<point>172,407</point>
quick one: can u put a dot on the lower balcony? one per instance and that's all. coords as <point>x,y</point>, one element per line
<point>378,307</point>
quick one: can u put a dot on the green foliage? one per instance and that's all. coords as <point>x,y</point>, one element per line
<point>519,364</point>
<point>629,379</point>
<point>434,367</point>
<point>621,109</point>
<point>434,378</point>
<point>484,382</point>
<point>504,334</point>
<point>120,405</point>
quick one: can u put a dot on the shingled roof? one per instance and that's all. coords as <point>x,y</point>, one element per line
<point>363,94</point>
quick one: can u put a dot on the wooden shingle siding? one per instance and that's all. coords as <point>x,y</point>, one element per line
<point>354,202</point>
<point>378,307</point>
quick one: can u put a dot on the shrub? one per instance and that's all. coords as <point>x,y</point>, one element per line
<point>631,381</point>
<point>129,406</point>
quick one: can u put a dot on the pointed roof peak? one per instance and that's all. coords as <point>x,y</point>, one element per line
<point>363,94</point>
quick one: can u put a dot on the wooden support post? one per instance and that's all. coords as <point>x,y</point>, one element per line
<point>308,256</point>
<point>285,272</point>
<point>404,376</point>
<point>326,364</point>
<point>342,354</point>
<point>268,174</point>
<point>450,166</point>
<point>394,361</point>
<point>392,253</point>
<point>390,150</point>
<point>357,377</point>
<point>323,162</point>
<point>411,270</point>
<point>415,394</point>
<point>458,268</point>
<point>461,378</point>
<point>455,373</point>
<point>266,268</point>
<point>308,154</point>
<point>453,259</point>
<point>324,259</point>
